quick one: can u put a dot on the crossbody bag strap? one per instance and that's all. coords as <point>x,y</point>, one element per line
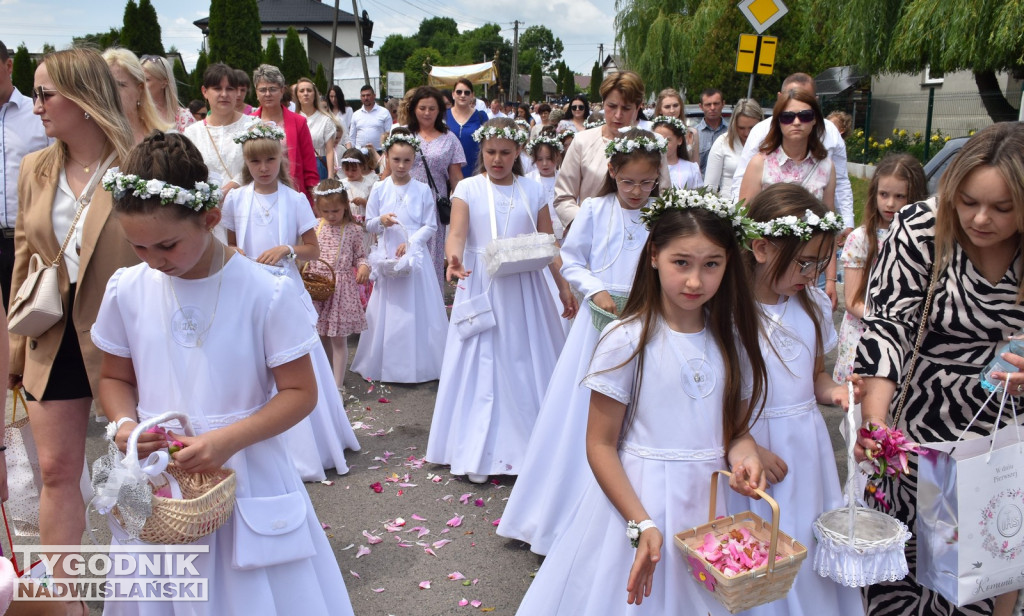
<point>917,349</point>
<point>430,178</point>
<point>83,202</point>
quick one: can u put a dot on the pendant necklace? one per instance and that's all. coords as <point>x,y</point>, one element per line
<point>697,376</point>
<point>186,321</point>
<point>631,230</point>
<point>263,208</point>
<point>85,168</point>
<point>786,347</point>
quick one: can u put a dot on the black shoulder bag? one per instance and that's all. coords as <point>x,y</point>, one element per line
<point>444,204</point>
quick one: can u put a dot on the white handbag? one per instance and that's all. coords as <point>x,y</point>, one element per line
<point>386,263</point>
<point>527,252</point>
<point>474,315</point>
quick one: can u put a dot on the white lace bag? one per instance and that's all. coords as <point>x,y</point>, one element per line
<point>386,263</point>
<point>527,252</point>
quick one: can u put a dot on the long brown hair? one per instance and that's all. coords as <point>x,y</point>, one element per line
<point>777,201</point>
<point>1000,146</point>
<point>737,338</point>
<point>815,147</point>
<point>903,167</point>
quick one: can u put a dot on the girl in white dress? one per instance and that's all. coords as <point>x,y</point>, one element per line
<point>546,152</point>
<point>674,384</point>
<point>273,224</point>
<point>797,332</point>
<point>406,320</point>
<point>492,382</point>
<point>599,258</point>
<point>358,180</point>
<point>171,340</point>
<point>683,172</point>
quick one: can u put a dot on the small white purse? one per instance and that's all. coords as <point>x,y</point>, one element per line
<point>473,316</point>
<point>529,252</point>
<point>386,263</point>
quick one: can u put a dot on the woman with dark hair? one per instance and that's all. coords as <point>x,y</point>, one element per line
<point>336,105</point>
<point>76,96</point>
<point>464,119</point>
<point>440,153</point>
<point>579,111</point>
<point>270,90</point>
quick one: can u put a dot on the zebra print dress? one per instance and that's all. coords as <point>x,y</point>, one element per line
<point>968,318</point>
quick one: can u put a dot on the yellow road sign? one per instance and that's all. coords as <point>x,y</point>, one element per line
<point>746,54</point>
<point>762,13</point>
<point>766,55</point>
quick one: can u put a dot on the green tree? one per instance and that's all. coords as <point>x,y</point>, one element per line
<point>440,33</point>
<point>596,77</point>
<point>545,44</point>
<point>130,26</point>
<point>320,79</point>
<point>272,54</point>
<point>184,83</point>
<point>23,73</point>
<point>480,45</point>
<point>197,74</point>
<point>100,40</point>
<point>415,76</point>
<point>234,34</point>
<point>294,63</point>
<point>569,82</point>
<point>147,35</point>
<point>395,50</point>
<point>48,48</point>
<point>906,36</point>
<point>536,84</point>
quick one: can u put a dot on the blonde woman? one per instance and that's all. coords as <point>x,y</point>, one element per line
<point>136,102</point>
<point>164,92</point>
<point>726,150</point>
<point>76,96</point>
<point>323,127</point>
<point>670,103</point>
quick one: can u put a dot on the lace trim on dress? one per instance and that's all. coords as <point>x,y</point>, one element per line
<point>292,354</point>
<point>806,406</point>
<point>601,387</point>
<point>652,453</point>
<point>109,347</point>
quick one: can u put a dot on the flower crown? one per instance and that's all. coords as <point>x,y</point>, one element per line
<point>328,191</point>
<point>593,124</point>
<point>675,123</point>
<point>500,132</point>
<point>203,197</point>
<point>628,145</point>
<point>261,130</point>
<point>523,123</point>
<point>705,199</point>
<point>550,140</point>
<point>802,228</point>
<point>566,133</point>
<point>402,138</point>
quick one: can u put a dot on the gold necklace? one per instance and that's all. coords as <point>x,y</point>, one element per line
<point>190,328</point>
<point>84,167</point>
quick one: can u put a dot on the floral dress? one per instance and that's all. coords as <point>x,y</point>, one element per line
<point>855,251</point>
<point>810,173</point>
<point>342,313</point>
<point>443,151</point>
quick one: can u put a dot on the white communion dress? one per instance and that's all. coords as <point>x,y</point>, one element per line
<point>406,320</point>
<point>492,383</point>
<point>600,254</point>
<point>261,222</point>
<point>668,452</point>
<point>183,359</point>
<point>791,427</point>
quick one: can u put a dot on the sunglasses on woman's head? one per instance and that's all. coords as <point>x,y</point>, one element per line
<point>806,116</point>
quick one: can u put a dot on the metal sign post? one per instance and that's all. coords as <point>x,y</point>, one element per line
<point>756,53</point>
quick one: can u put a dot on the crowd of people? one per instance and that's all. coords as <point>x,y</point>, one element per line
<point>621,326</point>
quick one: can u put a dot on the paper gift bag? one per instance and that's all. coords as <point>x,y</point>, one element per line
<point>970,516</point>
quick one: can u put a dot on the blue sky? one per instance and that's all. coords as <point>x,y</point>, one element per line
<point>581,24</point>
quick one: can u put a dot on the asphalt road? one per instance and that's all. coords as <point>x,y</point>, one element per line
<point>447,541</point>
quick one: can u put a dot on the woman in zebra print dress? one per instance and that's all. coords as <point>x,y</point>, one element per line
<point>972,235</point>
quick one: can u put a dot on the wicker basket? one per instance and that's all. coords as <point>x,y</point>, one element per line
<point>320,286</point>
<point>601,318</point>
<point>207,499</point>
<point>752,588</point>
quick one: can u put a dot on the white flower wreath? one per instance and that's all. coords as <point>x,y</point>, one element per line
<point>329,191</point>
<point>402,138</point>
<point>652,142</point>
<point>803,228</point>
<point>705,199</point>
<point>550,140</point>
<point>261,130</point>
<point>675,123</point>
<point>203,197</point>
<point>500,132</point>
<point>566,133</point>
<point>594,124</point>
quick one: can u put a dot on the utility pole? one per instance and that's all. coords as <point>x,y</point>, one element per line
<point>334,47</point>
<point>600,54</point>
<point>362,50</point>
<point>514,81</point>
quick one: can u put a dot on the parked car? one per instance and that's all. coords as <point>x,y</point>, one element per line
<point>935,167</point>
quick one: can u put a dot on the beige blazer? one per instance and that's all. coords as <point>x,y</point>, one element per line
<point>104,250</point>
<point>584,168</point>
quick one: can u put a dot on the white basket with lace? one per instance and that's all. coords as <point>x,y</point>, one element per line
<point>527,252</point>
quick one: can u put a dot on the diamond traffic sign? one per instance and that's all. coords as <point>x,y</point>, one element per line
<point>762,13</point>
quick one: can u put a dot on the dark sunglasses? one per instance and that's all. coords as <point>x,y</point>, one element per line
<point>577,107</point>
<point>806,116</point>
<point>41,92</point>
<point>463,92</point>
<point>148,58</point>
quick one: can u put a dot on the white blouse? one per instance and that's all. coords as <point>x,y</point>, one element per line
<point>322,129</point>
<point>722,161</point>
<point>220,152</point>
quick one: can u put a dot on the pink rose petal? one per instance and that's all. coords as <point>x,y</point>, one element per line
<point>425,585</point>
<point>440,544</point>
<point>455,522</point>
<point>429,551</point>
<point>455,575</point>
<point>496,522</point>
<point>463,603</point>
<point>372,539</point>
<point>479,502</point>
<point>418,518</point>
<point>464,499</point>
<point>476,603</point>
<point>362,551</point>
<point>378,590</point>
<point>354,574</point>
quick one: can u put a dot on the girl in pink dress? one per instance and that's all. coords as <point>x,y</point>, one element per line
<point>341,245</point>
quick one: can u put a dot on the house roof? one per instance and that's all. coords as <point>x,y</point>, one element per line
<point>549,84</point>
<point>582,82</point>
<point>615,60</point>
<point>293,13</point>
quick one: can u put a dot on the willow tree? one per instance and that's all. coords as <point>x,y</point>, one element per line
<point>907,36</point>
